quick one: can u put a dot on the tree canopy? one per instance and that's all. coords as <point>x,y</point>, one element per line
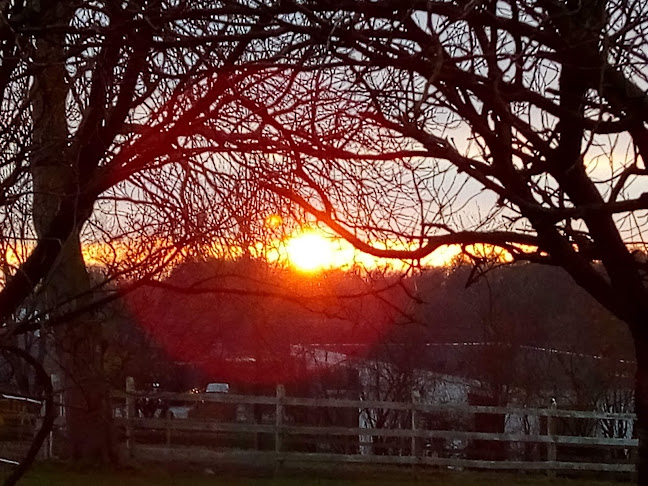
<point>157,129</point>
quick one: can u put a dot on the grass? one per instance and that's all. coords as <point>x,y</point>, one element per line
<point>56,474</point>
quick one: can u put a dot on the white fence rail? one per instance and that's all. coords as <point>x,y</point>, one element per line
<point>285,421</point>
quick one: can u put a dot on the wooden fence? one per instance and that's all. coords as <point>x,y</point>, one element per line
<point>280,429</point>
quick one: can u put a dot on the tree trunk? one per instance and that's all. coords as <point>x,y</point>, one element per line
<point>77,344</point>
<point>78,347</point>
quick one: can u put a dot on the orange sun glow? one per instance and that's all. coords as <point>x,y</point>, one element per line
<point>312,251</point>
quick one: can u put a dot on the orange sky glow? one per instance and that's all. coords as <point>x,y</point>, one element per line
<point>308,250</point>
<point>314,250</point>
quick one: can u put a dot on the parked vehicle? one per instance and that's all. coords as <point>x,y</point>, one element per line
<point>220,411</point>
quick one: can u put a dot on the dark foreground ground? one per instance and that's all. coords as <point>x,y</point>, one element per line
<point>58,474</point>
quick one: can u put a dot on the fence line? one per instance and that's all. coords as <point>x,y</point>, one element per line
<point>281,429</point>
<point>229,398</point>
<point>213,426</point>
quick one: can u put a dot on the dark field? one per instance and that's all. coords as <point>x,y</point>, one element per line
<point>46,475</point>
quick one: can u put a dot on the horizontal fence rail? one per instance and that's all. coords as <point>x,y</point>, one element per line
<point>276,418</point>
<point>373,404</point>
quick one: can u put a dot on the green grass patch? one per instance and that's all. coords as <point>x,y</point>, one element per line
<point>56,474</point>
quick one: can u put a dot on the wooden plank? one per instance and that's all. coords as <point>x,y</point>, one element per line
<point>540,412</point>
<point>130,413</point>
<point>200,397</point>
<point>279,415</point>
<point>528,466</point>
<point>584,414</point>
<point>196,425</point>
<point>503,437</point>
<point>214,426</point>
<point>254,457</point>
<point>453,462</point>
<point>203,454</point>
<point>458,434</point>
<point>551,445</point>
<point>413,423</point>
<point>346,403</point>
<point>445,407</point>
<point>373,404</point>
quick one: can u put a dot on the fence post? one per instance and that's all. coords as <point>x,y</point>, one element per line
<point>551,445</point>
<point>279,413</point>
<point>168,426</point>
<point>415,399</point>
<point>57,391</point>
<point>414,452</point>
<point>130,414</point>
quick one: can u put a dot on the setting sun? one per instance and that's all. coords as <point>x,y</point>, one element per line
<point>312,251</point>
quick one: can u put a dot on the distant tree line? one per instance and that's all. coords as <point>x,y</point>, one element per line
<point>511,327</point>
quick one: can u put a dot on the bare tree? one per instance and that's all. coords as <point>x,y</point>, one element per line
<point>105,108</point>
<point>521,125</point>
<point>404,126</point>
